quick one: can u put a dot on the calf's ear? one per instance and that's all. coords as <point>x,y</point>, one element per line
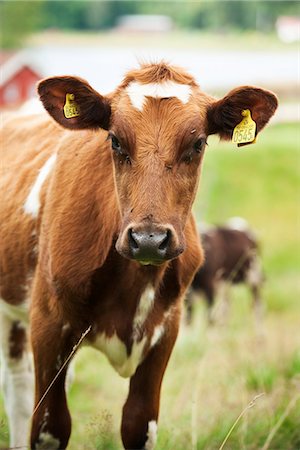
<point>73,103</point>
<point>223,115</point>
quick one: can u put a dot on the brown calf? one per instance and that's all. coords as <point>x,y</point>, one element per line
<point>231,257</point>
<point>98,232</point>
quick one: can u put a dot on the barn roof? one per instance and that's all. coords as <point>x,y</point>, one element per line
<point>12,63</point>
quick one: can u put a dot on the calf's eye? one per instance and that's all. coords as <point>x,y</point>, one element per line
<point>119,153</point>
<point>199,144</point>
<point>115,144</point>
<point>195,149</point>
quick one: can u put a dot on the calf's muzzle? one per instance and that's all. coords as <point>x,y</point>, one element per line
<point>149,244</point>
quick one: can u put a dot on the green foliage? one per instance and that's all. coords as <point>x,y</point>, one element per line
<point>224,15</point>
<point>99,433</point>
<point>20,18</point>
<point>3,430</point>
<point>293,368</point>
<point>65,14</point>
<point>84,15</point>
<point>261,378</point>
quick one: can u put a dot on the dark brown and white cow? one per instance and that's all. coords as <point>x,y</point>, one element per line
<point>231,257</point>
<point>97,234</point>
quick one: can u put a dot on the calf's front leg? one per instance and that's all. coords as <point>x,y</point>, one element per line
<point>140,412</point>
<point>52,343</point>
<point>16,372</point>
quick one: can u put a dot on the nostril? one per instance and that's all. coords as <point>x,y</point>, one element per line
<point>165,242</point>
<point>132,242</point>
<point>148,246</point>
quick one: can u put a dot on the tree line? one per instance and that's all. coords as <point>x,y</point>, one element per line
<point>19,18</point>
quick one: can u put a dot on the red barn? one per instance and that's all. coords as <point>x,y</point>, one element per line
<point>18,79</point>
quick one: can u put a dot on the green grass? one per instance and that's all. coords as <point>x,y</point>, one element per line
<point>292,369</point>
<point>215,372</point>
<point>178,39</point>
<point>261,378</point>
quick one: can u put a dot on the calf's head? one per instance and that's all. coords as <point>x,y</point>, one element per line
<point>158,121</point>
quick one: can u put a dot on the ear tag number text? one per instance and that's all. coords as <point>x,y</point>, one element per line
<point>244,132</point>
<point>71,108</point>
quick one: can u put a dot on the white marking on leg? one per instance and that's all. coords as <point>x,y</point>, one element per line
<point>32,203</point>
<point>70,375</point>
<point>47,442</point>
<point>15,312</point>
<point>143,310</point>
<point>157,334</point>
<point>137,92</point>
<point>218,311</point>
<point>254,275</point>
<point>160,329</point>
<point>66,327</point>
<point>152,435</point>
<point>58,362</point>
<point>17,377</point>
<point>255,278</point>
<point>46,417</point>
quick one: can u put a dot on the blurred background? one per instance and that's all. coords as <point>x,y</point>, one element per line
<point>222,43</point>
<point>215,371</point>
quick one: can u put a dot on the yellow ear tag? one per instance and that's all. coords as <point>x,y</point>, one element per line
<point>244,132</point>
<point>71,109</point>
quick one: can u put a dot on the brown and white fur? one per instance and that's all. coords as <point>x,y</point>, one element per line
<point>231,257</point>
<point>97,232</point>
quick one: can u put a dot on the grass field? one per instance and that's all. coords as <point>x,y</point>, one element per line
<point>179,39</point>
<point>215,373</point>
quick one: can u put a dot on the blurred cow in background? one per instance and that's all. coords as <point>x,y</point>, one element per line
<point>231,257</point>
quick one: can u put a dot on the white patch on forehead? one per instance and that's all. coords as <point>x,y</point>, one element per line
<point>32,203</point>
<point>47,442</point>
<point>152,435</point>
<point>116,352</point>
<point>138,91</point>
